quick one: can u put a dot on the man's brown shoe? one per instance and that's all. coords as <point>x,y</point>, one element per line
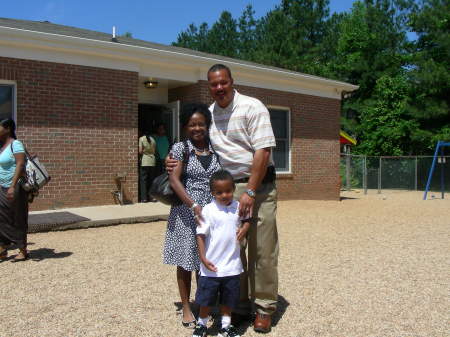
<point>263,323</point>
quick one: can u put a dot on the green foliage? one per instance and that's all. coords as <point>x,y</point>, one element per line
<point>291,35</point>
<point>384,124</point>
<point>126,34</point>
<point>402,105</point>
<point>247,34</point>
<point>223,36</point>
<point>430,75</point>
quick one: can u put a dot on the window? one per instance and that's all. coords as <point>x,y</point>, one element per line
<point>280,119</point>
<point>7,101</point>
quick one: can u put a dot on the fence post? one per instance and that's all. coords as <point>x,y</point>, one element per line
<point>415,176</point>
<point>347,171</point>
<point>379,176</point>
<point>365,174</point>
<point>442,172</point>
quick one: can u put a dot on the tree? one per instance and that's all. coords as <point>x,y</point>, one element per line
<point>223,36</point>
<point>430,73</point>
<point>290,36</point>
<point>371,45</point>
<point>247,34</point>
<point>126,34</point>
<point>194,38</point>
<point>385,128</point>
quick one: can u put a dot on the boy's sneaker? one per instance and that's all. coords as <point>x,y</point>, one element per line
<point>199,331</point>
<point>228,332</point>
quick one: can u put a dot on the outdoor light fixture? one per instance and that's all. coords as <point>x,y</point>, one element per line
<point>151,84</point>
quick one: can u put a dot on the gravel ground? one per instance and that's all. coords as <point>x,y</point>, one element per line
<point>375,265</point>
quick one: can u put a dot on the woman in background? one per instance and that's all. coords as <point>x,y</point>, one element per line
<point>13,198</point>
<point>147,172</point>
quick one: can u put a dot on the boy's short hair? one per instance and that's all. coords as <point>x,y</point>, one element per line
<point>220,175</point>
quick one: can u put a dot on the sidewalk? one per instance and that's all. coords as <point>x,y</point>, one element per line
<point>96,216</point>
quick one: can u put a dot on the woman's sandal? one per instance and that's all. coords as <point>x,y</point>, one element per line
<point>3,253</point>
<point>22,256</point>
<point>189,325</point>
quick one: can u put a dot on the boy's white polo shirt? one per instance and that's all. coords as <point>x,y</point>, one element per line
<point>221,244</point>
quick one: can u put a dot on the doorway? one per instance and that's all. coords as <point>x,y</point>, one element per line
<point>150,116</point>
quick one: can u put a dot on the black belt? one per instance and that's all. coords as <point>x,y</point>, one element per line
<point>268,178</point>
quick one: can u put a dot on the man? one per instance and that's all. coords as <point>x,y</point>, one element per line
<point>242,136</point>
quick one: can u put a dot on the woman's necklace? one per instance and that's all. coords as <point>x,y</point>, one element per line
<point>202,152</point>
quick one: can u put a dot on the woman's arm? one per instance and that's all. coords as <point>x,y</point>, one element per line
<point>20,164</point>
<point>177,186</point>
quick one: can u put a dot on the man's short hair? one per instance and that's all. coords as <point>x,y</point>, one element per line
<point>218,67</point>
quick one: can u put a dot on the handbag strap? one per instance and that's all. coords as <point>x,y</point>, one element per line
<point>214,151</point>
<point>186,152</point>
<point>186,155</point>
<point>27,154</point>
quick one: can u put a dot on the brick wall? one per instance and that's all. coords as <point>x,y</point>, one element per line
<point>314,144</point>
<point>82,122</point>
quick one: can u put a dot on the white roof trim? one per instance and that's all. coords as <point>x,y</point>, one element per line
<point>138,53</point>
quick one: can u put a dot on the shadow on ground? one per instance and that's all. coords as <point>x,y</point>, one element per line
<point>47,253</point>
<point>38,254</point>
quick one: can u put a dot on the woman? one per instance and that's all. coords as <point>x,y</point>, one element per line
<point>162,146</point>
<point>147,171</point>
<point>13,198</point>
<point>190,181</point>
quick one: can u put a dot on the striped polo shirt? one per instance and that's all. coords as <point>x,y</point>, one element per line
<point>238,130</point>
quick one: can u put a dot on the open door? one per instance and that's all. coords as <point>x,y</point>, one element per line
<point>172,118</point>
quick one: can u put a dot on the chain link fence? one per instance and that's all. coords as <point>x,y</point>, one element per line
<point>402,173</point>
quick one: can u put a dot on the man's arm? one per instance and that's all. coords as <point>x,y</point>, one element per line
<point>170,163</point>
<point>257,173</point>
<point>259,168</point>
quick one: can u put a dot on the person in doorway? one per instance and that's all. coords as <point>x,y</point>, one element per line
<point>147,171</point>
<point>162,145</point>
<point>218,237</point>
<point>241,134</point>
<point>13,198</point>
<point>196,162</point>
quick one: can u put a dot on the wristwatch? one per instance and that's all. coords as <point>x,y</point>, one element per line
<point>250,193</point>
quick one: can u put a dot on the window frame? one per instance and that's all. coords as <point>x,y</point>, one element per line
<point>13,84</point>
<point>288,139</point>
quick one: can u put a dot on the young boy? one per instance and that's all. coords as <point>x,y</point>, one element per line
<point>218,245</point>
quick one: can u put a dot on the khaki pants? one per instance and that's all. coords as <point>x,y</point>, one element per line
<point>261,261</point>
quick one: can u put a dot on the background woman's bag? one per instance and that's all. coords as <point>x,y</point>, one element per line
<point>36,176</point>
<point>161,190</point>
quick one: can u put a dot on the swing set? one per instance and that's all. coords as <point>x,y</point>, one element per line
<point>438,158</point>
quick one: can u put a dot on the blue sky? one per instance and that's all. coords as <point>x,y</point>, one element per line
<point>151,20</point>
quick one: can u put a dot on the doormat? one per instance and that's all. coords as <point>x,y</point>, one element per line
<point>49,221</point>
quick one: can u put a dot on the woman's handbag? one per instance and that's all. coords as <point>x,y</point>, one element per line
<point>161,189</point>
<point>36,176</point>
